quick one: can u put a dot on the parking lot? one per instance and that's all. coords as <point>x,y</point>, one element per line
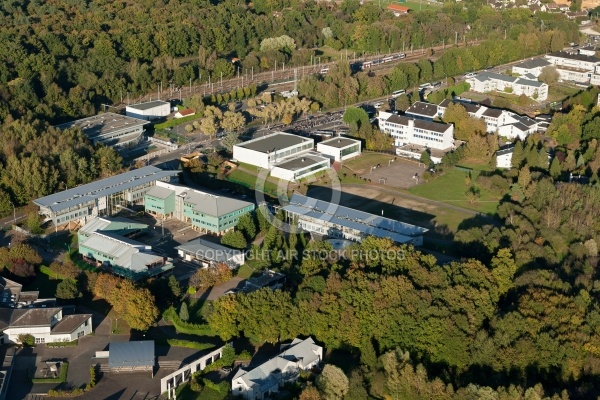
<point>399,173</point>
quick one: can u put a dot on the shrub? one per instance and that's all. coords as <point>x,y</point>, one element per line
<point>65,393</point>
<point>27,340</point>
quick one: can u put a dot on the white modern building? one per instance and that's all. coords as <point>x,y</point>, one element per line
<point>269,150</point>
<point>339,148</point>
<point>532,67</point>
<point>406,130</point>
<point>208,254</point>
<point>575,66</point>
<point>489,81</point>
<point>110,129</point>
<point>504,157</point>
<point>505,123</point>
<point>101,198</point>
<point>22,313</point>
<point>300,167</point>
<point>268,377</point>
<point>336,221</point>
<point>149,111</point>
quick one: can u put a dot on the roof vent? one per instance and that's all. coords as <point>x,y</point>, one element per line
<point>303,160</point>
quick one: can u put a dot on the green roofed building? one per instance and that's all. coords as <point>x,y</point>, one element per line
<point>206,212</point>
<point>109,244</point>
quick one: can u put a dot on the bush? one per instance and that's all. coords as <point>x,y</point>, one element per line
<point>222,387</point>
<point>189,344</point>
<point>27,340</point>
<point>62,377</point>
<point>65,393</point>
<point>186,327</point>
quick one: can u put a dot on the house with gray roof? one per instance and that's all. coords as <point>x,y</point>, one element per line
<point>340,222</point>
<point>488,82</point>
<point>576,65</point>
<point>272,149</point>
<point>532,67</point>
<point>104,197</point>
<point>109,244</point>
<point>22,313</point>
<point>268,377</point>
<point>422,110</point>
<point>206,212</point>
<point>208,253</point>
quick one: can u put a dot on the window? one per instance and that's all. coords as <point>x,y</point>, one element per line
<point>39,340</point>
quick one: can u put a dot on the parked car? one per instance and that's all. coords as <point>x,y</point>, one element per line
<point>470,75</point>
<point>378,104</point>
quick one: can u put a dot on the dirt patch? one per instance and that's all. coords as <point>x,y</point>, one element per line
<point>400,173</point>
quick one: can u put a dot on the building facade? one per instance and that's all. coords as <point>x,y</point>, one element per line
<point>267,151</point>
<point>406,130</point>
<point>339,149</point>
<point>504,157</point>
<point>205,212</point>
<point>300,167</point>
<point>149,111</point>
<point>531,67</point>
<point>341,222</point>
<point>104,197</point>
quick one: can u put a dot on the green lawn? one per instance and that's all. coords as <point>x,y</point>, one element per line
<point>185,393</point>
<point>249,180</point>
<point>245,271</point>
<point>451,188</point>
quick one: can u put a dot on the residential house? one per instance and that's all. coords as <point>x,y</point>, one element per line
<point>489,81</point>
<point>574,66</point>
<point>583,14</point>
<point>268,377</point>
<point>531,67</point>
<point>422,110</point>
<point>22,313</point>
<point>504,156</point>
<point>184,113</point>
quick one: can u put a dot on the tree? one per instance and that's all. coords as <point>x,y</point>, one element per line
<point>503,269</point>
<point>174,286</point>
<point>518,156</point>
<point>426,158</point>
<point>67,290</point>
<point>184,315</point>
<point>230,140</point>
<point>22,269</point>
<point>247,226</point>
<point>233,121</point>
<point>356,118</point>
<point>549,75</point>
<point>27,340</point>
<point>310,393</point>
<point>235,239</point>
<point>555,168</point>
<point>332,383</point>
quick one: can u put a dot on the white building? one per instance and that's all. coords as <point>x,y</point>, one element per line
<point>504,157</point>
<point>209,254</point>
<point>150,110</point>
<point>505,123</point>
<point>406,130</point>
<point>110,129</point>
<point>531,67</point>
<point>302,166</point>
<point>422,110</point>
<point>104,197</point>
<point>339,148</point>
<point>269,150</point>
<point>22,313</point>
<point>336,221</point>
<point>489,81</point>
<point>575,66</point>
<point>266,378</point>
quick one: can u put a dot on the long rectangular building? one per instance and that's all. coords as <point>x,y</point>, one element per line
<point>110,129</point>
<point>104,197</point>
<point>405,130</point>
<point>334,220</point>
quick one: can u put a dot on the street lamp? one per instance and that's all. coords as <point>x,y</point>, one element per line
<point>14,212</point>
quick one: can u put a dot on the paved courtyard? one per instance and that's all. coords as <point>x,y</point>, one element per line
<point>399,173</point>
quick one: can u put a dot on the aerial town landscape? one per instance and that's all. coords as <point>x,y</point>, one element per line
<point>300,200</point>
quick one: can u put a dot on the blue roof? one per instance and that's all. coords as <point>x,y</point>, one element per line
<point>104,187</point>
<point>364,222</point>
<point>131,354</point>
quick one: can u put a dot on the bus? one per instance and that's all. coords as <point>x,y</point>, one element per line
<point>398,93</point>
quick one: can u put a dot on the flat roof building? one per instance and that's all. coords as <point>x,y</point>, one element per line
<point>150,110</point>
<point>208,254</point>
<point>334,220</point>
<point>110,129</point>
<point>300,167</point>
<point>339,148</point>
<point>271,149</point>
<point>103,197</point>
<point>132,356</point>
<point>406,130</point>
<point>489,81</point>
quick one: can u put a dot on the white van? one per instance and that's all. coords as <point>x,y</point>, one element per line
<point>424,86</point>
<point>398,93</point>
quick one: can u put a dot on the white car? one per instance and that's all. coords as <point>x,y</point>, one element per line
<point>378,105</point>
<point>470,75</point>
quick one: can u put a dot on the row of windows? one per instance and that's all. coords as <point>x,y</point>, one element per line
<point>72,216</point>
<point>428,138</point>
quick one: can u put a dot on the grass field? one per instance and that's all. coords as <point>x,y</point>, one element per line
<point>249,180</point>
<point>185,393</point>
<point>451,188</point>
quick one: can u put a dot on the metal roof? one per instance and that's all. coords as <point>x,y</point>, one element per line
<point>131,354</point>
<point>114,224</point>
<point>104,187</point>
<point>148,105</point>
<point>574,56</point>
<point>422,108</point>
<point>533,63</point>
<point>418,123</point>
<point>366,223</point>
<point>274,141</point>
<point>338,142</point>
<point>213,205</point>
<point>208,250</point>
<point>103,124</point>
<point>160,192</point>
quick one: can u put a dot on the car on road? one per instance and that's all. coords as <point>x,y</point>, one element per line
<point>470,75</point>
<point>378,104</point>
<point>436,85</point>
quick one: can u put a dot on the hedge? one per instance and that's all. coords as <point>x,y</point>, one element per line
<point>65,393</point>
<point>62,344</point>
<point>189,344</point>
<point>176,121</point>
<point>64,368</point>
<point>186,327</point>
